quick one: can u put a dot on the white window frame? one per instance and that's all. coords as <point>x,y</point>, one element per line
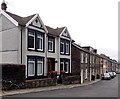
<point>63,47</point>
<point>40,61</point>
<point>67,67</point>
<point>67,48</point>
<point>33,35</point>
<point>30,61</point>
<point>86,57</point>
<point>86,73</point>
<point>82,61</point>
<point>40,37</point>
<point>50,41</point>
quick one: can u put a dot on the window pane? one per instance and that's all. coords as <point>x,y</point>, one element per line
<point>31,68</point>
<point>67,48</point>
<point>61,65</point>
<point>30,41</point>
<point>39,68</point>
<point>62,47</point>
<point>40,42</point>
<point>50,43</point>
<point>66,67</point>
<point>50,46</point>
<point>81,57</point>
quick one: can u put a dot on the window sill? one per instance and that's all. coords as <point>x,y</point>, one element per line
<point>30,76</point>
<point>39,74</point>
<point>40,50</point>
<point>31,49</point>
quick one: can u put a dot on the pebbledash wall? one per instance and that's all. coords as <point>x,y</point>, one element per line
<point>14,37</point>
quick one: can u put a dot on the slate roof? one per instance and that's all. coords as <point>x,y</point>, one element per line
<point>24,20</point>
<point>55,32</point>
<point>21,20</point>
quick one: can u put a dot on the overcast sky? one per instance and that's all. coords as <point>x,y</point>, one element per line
<point>89,22</point>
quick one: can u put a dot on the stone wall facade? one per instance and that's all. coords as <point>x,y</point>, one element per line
<point>75,63</point>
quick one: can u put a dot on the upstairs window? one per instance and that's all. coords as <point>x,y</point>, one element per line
<point>67,48</point>
<point>35,40</point>
<point>82,58</point>
<point>40,42</point>
<point>31,40</point>
<point>86,57</point>
<point>62,47</point>
<point>51,44</point>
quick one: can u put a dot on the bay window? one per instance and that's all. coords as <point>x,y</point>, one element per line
<point>35,66</point>
<point>65,65</point>
<point>65,47</point>
<point>35,40</point>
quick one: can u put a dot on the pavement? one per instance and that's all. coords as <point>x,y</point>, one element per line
<point>59,86</point>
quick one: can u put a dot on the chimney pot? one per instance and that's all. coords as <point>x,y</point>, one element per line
<point>4,6</point>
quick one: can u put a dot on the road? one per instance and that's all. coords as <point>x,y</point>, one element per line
<point>103,88</point>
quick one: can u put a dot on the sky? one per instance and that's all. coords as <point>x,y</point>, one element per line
<point>90,22</point>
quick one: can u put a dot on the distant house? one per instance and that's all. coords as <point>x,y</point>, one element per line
<point>26,40</point>
<point>80,62</point>
<point>86,62</point>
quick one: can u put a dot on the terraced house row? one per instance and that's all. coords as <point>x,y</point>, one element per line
<point>46,51</point>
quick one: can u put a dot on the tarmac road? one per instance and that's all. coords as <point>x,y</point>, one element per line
<point>103,88</point>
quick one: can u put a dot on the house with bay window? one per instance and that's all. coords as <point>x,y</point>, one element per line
<point>59,50</point>
<point>26,40</point>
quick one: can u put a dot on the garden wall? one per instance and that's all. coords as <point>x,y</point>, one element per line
<point>71,79</point>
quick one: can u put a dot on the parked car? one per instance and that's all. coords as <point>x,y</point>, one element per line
<point>114,74</point>
<point>111,74</point>
<point>106,76</point>
<point>118,72</point>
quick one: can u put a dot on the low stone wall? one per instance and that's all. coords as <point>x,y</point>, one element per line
<point>71,79</point>
<point>40,83</point>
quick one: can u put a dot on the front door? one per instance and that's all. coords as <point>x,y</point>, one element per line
<point>51,64</point>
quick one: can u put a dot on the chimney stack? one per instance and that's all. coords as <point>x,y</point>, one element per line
<point>4,6</point>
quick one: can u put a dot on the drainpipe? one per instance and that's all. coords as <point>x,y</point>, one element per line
<point>21,44</point>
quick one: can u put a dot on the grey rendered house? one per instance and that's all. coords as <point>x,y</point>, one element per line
<point>26,40</point>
